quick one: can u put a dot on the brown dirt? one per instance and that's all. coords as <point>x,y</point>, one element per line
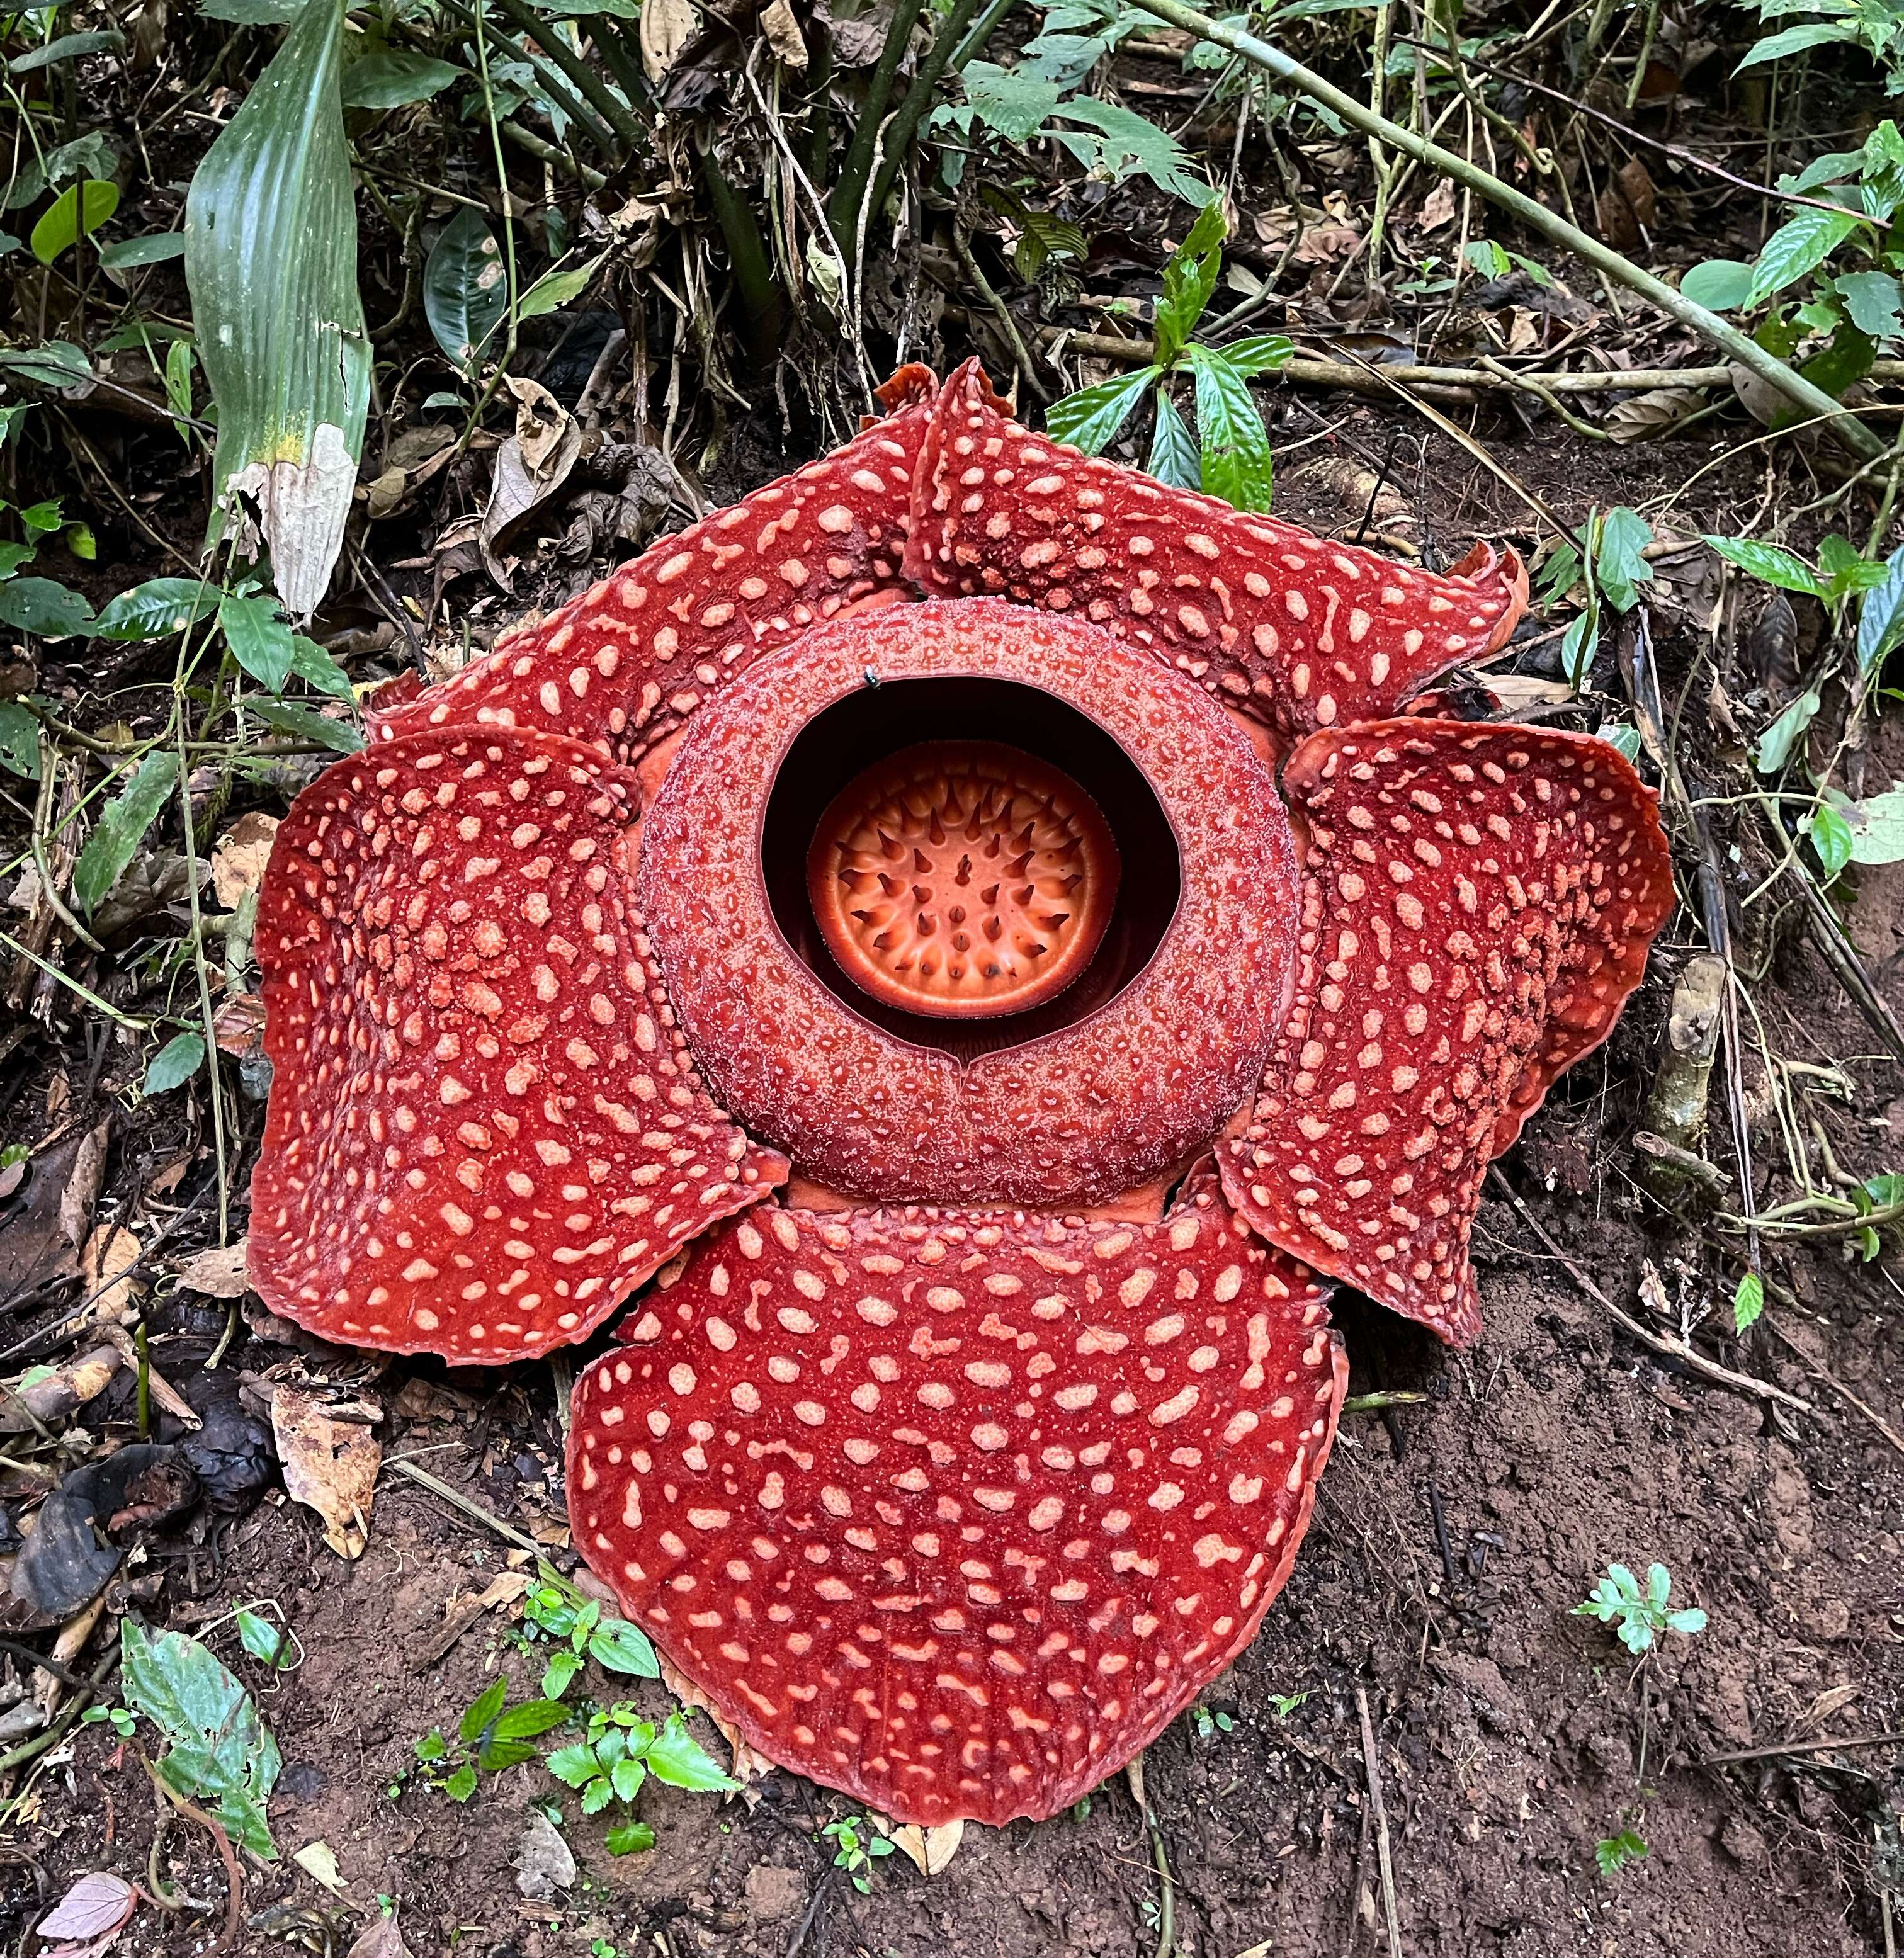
<point>1512,1735</point>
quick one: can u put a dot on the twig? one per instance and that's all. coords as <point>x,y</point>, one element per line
<point>234,1881</point>
<point>1801,1748</point>
<point>1687,1356</point>
<point>962,244</point>
<point>1722,334</point>
<point>456,1499</point>
<point>1384,1861</point>
<point>1837,1386</point>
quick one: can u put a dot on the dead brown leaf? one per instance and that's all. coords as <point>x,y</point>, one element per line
<point>667,27</point>
<point>239,857</point>
<point>330,1465</point>
<point>104,1265</point>
<point>1438,206</point>
<point>218,1273</point>
<point>783,36</point>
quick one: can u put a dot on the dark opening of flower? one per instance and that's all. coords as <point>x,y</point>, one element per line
<point>924,835</point>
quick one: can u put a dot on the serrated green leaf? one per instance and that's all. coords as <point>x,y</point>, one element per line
<point>560,1675</point>
<point>44,606</point>
<point>1873,300</point>
<point>597,1796</point>
<point>1771,564</point>
<point>173,1067</point>
<point>482,1710</point>
<point>1091,417</point>
<point>122,828</point>
<point>1189,277</point>
<point>531,1717</point>
<point>461,1784</point>
<point>1619,569</point>
<point>1487,258</point>
<point>80,208</point>
<point>465,289</point>
<point>390,78</point>
<point>1236,460</point>
<point>626,1838</point>
<point>1175,458</point>
<point>432,1747</point>
<point>152,610</point>
<point>625,1778</point>
<point>674,1756</point>
<point>1125,143</point>
<point>494,1755</point>
<point>575,1766</point>
<point>1748,1303</point>
<point>259,637</point>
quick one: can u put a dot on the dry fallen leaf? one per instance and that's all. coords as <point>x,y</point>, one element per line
<point>239,857</point>
<point>218,1273</point>
<point>1438,206</point>
<point>932,1850</point>
<point>783,34</point>
<point>318,1861</point>
<point>329,1466</point>
<point>109,1255</point>
<point>380,1938</point>
<point>98,1903</point>
<point>666,26</point>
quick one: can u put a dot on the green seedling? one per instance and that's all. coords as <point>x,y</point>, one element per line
<point>1613,1853</point>
<point>560,1613</point>
<point>1209,1722</point>
<point>123,1719</point>
<point>615,1756</point>
<point>1638,1615</point>
<point>856,1852</point>
<point>491,1736</point>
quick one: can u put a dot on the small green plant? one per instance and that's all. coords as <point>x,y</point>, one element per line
<point>616,1755</point>
<point>1613,1853</point>
<point>1284,1704</point>
<point>1211,1721</point>
<point>123,1718</point>
<point>558,1612</point>
<point>1229,455</point>
<point>856,1852</point>
<point>1638,1614</point>
<point>491,1736</point>
<point>1610,573</point>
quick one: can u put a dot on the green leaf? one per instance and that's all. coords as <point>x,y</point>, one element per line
<point>1720,285</point>
<point>265,1640</point>
<point>625,1778</point>
<point>288,717</point>
<point>67,47</point>
<point>1625,737</point>
<point>1874,828</point>
<point>1236,464</point>
<point>88,155</point>
<point>1885,1189</point>
<point>532,1717</point>
<point>461,1784</point>
<point>482,1711</point>
<point>575,1766</point>
<point>1579,647</point>
<point>1748,1302</point>
<point>1618,567</point>
<point>122,829</point>
<point>494,1755</point>
<point>465,288</point>
<point>553,290</point>
<point>154,248</point>
<point>250,13</point>
<point>19,739</point>
<point>54,363</point>
<point>1881,619</point>
<point>597,1796</point>
<point>1793,41</point>
<point>1775,744</point>
<point>1189,277</point>
<point>1259,352</point>
<point>1686,1622</point>
<point>1126,144</point>
<point>44,606</point>
<point>8,415</point>
<point>173,1065</point>
<point>1798,246</point>
<point>152,610</point>
<point>12,556</point>
<point>627,1838</point>
<point>219,1749</point>
<point>80,208</point>
<point>1487,258</point>
<point>674,1756</point>
<point>42,518</point>
<point>258,637</point>
<point>560,1675</point>
<point>1010,105</point>
<point>432,1747</point>
<point>1873,300</point>
<point>1091,418</point>
<point>1175,458</point>
<point>617,1646</point>
<point>1771,564</point>
<point>1614,1852</point>
<point>389,77</point>
<point>1831,838</point>
<point>271,262</point>
<point>1846,358</point>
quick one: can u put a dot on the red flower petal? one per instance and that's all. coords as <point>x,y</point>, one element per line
<point>1074,1117</point>
<point>624,665</point>
<point>1479,904</point>
<point>957,1512</point>
<point>484,1131</point>
<point>1295,630</point>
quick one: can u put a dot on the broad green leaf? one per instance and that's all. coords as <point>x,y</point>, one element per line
<point>1487,258</point>
<point>44,518</point>
<point>1847,567</point>
<point>151,610</point>
<point>19,739</point>
<point>1795,40</point>
<point>1618,567</point>
<point>1775,746</point>
<point>303,724</point>
<point>218,1750</point>
<point>482,1710</point>
<point>1125,143</point>
<point>1175,458</point>
<point>1771,564</point>
<point>1881,619</point>
<point>625,1838</point>
<point>122,828</point>
<point>54,363</point>
<point>1091,417</point>
<point>175,1064</point>
<point>1010,105</point>
<point>581,10</point>
<point>1748,1302</point>
<point>461,1784</point>
<point>80,208</point>
<point>1798,246</point>
<point>531,1717</point>
<point>432,1747</point>
<point>553,290</point>
<point>154,248</point>
<point>1832,838</point>
<point>1259,353</point>
<point>1235,464</point>
<point>271,261</point>
<point>597,1796</point>
<point>1846,358</point>
<point>250,13</point>
<point>1189,277</point>
<point>1579,647</point>
<point>263,1640</point>
<point>259,638</point>
<point>43,606</point>
<point>389,77</point>
<point>312,664</point>
<point>625,1778</point>
<point>575,1766</point>
<point>1625,737</point>
<point>559,1674</point>
<point>67,47</point>
<point>617,1646</point>
<point>1874,828</point>
<point>1873,300</point>
<point>496,1754</point>
<point>88,155</point>
<point>12,556</point>
<point>465,288</point>
<point>8,415</point>
<point>676,1757</point>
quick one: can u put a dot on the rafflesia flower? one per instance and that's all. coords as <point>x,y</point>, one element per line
<point>976,935</point>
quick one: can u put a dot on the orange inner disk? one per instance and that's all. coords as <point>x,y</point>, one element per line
<point>962,879</point>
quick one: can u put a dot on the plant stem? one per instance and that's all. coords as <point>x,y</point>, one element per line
<point>975,41</point>
<point>602,98</point>
<point>912,109</point>
<point>1738,346</point>
<point>760,294</point>
<point>849,192</point>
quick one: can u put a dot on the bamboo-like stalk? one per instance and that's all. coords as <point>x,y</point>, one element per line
<point>1740,347</point>
<point>918,99</point>
<point>849,190</point>
<point>602,98</point>
<point>762,300</point>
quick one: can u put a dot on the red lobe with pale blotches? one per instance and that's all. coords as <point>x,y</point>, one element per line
<point>484,1131</point>
<point>956,1512</point>
<point>1294,629</point>
<point>1478,904</point>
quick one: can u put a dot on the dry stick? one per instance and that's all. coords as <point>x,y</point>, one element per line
<point>1382,1856</point>
<point>1687,1355</point>
<point>1801,1748</point>
<point>1837,1386</point>
<point>1738,346</point>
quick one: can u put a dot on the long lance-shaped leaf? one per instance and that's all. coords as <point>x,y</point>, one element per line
<point>271,259</point>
